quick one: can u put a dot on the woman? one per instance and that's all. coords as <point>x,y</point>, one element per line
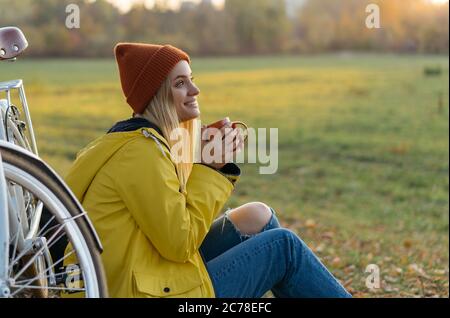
<point>156,216</point>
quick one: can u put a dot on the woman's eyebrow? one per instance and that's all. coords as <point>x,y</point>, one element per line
<point>180,76</point>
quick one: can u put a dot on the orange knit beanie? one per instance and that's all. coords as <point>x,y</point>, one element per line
<point>143,68</point>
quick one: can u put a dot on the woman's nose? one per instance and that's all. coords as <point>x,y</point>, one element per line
<point>195,90</point>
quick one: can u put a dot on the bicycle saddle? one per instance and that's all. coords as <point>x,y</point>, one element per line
<point>12,43</point>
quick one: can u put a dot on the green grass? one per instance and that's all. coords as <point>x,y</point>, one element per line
<point>363,150</point>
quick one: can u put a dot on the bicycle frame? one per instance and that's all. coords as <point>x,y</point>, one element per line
<point>23,195</point>
<point>4,234</point>
<point>6,219</point>
<point>7,87</point>
<point>9,219</point>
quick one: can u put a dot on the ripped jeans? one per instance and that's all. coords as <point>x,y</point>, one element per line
<point>276,259</point>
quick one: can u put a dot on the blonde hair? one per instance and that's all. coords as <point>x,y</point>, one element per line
<point>162,111</point>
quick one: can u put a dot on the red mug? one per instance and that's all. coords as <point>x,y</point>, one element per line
<point>234,124</point>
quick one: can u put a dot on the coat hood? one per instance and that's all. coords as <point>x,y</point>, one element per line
<point>96,154</point>
<point>133,124</point>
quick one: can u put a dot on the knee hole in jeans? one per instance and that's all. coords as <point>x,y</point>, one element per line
<point>251,218</point>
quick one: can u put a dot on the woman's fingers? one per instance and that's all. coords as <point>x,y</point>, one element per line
<point>230,136</point>
<point>236,148</point>
<point>239,143</point>
<point>225,129</point>
<point>239,137</point>
<point>231,142</point>
<point>233,139</point>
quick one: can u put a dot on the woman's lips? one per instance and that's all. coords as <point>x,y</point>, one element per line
<point>191,104</point>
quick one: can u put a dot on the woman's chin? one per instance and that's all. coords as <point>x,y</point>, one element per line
<point>191,116</point>
<point>196,113</point>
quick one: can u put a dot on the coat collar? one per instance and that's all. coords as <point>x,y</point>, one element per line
<point>133,124</point>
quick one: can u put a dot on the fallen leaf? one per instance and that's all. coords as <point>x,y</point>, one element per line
<point>404,259</point>
<point>390,279</point>
<point>415,269</point>
<point>391,289</point>
<point>310,224</point>
<point>397,271</point>
<point>439,271</point>
<point>328,235</point>
<point>407,243</point>
<point>348,282</point>
<point>336,261</point>
<point>320,248</point>
<point>352,291</point>
<point>349,269</point>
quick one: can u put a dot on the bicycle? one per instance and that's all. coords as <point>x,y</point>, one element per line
<point>48,246</point>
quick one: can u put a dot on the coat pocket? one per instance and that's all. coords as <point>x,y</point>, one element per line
<point>148,285</point>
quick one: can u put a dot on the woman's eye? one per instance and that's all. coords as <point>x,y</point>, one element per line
<point>180,83</point>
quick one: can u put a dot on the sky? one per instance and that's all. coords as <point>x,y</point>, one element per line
<point>125,5</point>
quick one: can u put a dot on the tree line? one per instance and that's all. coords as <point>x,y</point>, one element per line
<point>241,27</point>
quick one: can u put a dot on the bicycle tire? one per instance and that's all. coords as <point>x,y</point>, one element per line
<point>31,165</point>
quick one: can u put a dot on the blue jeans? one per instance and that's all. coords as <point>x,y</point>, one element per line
<point>276,259</point>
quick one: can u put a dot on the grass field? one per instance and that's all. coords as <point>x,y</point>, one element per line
<point>363,150</point>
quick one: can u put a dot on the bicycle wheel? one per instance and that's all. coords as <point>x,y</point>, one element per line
<point>63,258</point>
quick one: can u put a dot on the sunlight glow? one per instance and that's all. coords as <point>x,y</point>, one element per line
<point>125,5</point>
<point>438,2</point>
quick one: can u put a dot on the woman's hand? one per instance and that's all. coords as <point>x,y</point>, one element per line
<point>229,140</point>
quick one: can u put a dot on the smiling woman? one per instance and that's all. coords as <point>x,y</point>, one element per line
<point>159,218</point>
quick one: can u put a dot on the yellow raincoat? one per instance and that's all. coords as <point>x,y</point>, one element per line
<point>150,231</point>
